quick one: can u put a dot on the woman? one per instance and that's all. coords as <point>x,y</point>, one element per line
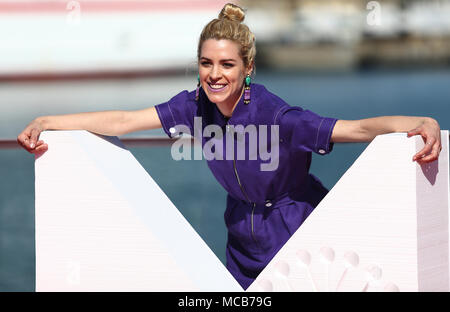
<point>264,207</point>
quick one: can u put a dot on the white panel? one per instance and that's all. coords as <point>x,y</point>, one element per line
<point>432,218</point>
<point>103,224</point>
<point>383,227</point>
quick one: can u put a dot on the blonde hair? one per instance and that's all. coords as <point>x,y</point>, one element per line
<point>229,26</point>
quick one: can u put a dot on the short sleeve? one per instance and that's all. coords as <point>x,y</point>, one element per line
<point>178,111</point>
<point>306,130</point>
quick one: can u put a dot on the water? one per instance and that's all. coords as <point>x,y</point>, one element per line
<point>190,184</point>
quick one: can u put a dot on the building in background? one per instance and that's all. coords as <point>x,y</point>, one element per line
<point>348,34</point>
<point>54,38</point>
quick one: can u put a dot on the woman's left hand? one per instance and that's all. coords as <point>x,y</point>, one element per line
<point>431,134</point>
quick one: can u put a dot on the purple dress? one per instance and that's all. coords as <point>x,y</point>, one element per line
<point>264,207</point>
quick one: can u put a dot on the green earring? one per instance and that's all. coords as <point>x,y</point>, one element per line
<point>248,80</point>
<point>197,91</point>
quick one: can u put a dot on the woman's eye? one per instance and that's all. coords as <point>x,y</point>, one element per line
<point>228,65</point>
<point>204,63</point>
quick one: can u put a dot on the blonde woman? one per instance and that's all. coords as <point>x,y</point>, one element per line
<point>264,207</point>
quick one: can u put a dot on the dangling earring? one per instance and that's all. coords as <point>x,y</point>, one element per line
<point>248,80</point>
<point>197,91</point>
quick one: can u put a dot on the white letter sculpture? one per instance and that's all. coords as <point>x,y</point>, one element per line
<point>103,224</point>
<point>383,227</point>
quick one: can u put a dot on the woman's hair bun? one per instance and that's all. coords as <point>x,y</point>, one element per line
<point>232,12</point>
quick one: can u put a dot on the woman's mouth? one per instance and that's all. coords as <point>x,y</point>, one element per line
<point>216,87</point>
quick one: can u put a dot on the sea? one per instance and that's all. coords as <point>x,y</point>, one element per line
<point>189,183</point>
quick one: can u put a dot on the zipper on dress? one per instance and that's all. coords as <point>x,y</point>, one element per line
<point>246,196</point>
<point>253,231</point>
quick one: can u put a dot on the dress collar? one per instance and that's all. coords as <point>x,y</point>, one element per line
<point>240,115</point>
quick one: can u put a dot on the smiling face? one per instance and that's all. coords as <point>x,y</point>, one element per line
<point>222,72</point>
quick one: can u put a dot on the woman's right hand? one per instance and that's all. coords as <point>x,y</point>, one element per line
<point>29,138</point>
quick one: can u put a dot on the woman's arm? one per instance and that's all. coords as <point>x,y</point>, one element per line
<point>365,130</point>
<point>106,123</point>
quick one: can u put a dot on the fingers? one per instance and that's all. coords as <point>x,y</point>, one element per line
<point>414,132</point>
<point>24,138</point>
<point>23,141</point>
<point>29,137</point>
<point>430,132</point>
<point>34,137</point>
<point>39,147</point>
<point>434,155</point>
<point>428,154</point>
<point>429,144</point>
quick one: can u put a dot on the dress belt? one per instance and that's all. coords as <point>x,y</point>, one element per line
<point>269,202</point>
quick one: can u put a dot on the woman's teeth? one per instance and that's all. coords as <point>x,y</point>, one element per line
<point>216,87</point>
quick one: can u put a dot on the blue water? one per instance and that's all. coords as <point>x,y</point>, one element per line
<point>189,184</point>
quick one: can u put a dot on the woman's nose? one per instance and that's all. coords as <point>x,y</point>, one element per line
<point>215,72</point>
